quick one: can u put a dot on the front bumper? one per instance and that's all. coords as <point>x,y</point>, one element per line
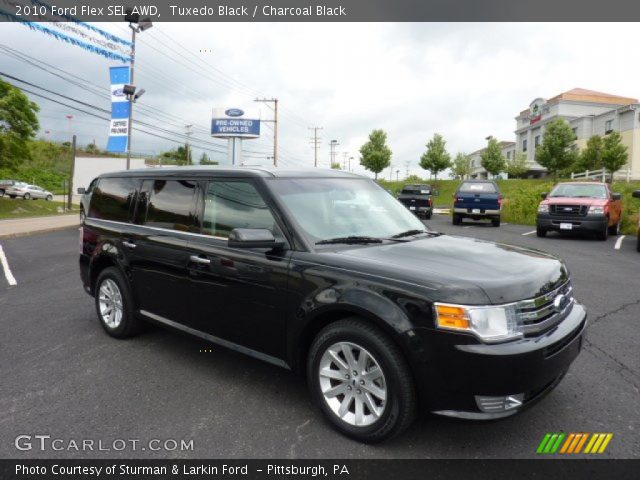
<point>456,370</point>
<point>590,223</point>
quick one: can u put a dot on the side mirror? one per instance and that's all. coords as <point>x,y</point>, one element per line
<point>616,196</point>
<point>81,190</point>
<point>636,194</point>
<point>252,238</point>
<point>544,195</point>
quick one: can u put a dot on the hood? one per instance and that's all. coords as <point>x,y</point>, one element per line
<point>456,268</point>
<point>598,202</point>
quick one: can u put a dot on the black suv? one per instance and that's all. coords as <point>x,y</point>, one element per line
<point>325,273</point>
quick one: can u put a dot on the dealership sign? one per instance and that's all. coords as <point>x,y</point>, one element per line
<point>235,122</point>
<point>535,110</point>
<point>120,106</point>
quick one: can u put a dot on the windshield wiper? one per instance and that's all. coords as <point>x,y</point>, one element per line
<point>410,233</point>
<point>350,239</point>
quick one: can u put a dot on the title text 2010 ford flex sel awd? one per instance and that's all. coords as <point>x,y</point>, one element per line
<point>326,273</point>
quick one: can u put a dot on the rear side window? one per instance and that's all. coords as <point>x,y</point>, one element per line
<point>113,199</point>
<point>168,204</point>
<point>483,187</point>
<point>234,204</point>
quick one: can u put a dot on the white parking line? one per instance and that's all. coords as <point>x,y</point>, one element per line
<point>619,242</point>
<point>529,233</point>
<point>5,266</point>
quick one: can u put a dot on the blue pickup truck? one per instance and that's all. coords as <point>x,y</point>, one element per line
<point>477,199</point>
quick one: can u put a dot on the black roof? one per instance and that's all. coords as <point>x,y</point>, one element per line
<point>229,171</point>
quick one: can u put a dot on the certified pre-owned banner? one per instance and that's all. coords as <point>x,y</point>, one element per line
<point>120,107</point>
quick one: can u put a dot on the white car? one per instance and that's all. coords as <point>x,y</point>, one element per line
<point>27,192</point>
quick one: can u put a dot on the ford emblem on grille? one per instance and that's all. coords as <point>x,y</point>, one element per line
<point>560,302</point>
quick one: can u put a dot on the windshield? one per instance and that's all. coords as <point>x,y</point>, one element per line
<point>477,187</point>
<point>328,208</point>
<point>587,190</point>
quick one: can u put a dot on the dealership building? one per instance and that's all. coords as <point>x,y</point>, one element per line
<point>589,113</point>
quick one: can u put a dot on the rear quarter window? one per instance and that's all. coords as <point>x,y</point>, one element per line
<point>113,199</point>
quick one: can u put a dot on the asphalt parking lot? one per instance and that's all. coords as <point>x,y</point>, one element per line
<point>61,375</point>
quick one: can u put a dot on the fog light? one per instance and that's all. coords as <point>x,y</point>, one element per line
<point>499,404</point>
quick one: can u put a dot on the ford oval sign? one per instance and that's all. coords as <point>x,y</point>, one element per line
<point>234,112</point>
<point>118,92</point>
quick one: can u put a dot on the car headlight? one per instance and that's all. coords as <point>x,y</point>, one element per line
<point>543,208</point>
<point>490,324</point>
<point>596,211</point>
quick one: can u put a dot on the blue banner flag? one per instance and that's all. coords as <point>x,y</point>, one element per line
<point>120,106</point>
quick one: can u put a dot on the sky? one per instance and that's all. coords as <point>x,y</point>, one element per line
<point>464,81</point>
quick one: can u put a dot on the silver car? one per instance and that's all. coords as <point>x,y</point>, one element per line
<point>27,192</point>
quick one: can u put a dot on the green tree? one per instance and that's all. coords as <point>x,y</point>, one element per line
<point>614,153</point>
<point>18,125</point>
<point>516,165</point>
<point>436,158</point>
<point>336,166</point>
<point>375,154</point>
<point>205,160</point>
<point>557,152</point>
<point>177,156</point>
<point>492,159</point>
<point>591,157</point>
<point>462,166</point>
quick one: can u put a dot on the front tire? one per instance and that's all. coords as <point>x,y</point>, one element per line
<point>638,243</point>
<point>603,234</point>
<point>495,222</point>
<point>541,232</point>
<point>360,380</point>
<point>49,198</point>
<point>26,196</point>
<point>114,304</point>
<point>615,229</point>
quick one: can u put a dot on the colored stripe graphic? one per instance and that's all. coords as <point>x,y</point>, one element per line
<point>572,443</point>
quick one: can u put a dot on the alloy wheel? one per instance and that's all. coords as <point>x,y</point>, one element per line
<point>110,303</point>
<point>352,384</point>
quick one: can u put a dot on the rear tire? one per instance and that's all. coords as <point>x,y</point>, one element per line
<point>638,243</point>
<point>495,222</point>
<point>541,232</point>
<point>1,193</point>
<point>428,216</point>
<point>457,219</point>
<point>12,197</point>
<point>369,401</point>
<point>114,304</point>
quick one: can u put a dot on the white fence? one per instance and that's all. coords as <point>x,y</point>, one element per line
<point>601,175</point>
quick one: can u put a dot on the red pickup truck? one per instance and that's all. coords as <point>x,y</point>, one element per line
<point>580,206</point>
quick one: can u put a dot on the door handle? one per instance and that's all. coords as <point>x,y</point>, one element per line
<point>200,260</point>
<point>129,244</point>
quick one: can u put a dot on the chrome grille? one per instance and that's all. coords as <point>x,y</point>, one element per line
<point>568,210</point>
<point>541,313</point>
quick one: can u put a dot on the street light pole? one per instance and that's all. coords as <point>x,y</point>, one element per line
<point>131,98</point>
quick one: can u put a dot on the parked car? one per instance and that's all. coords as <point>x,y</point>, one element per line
<point>477,199</point>
<point>325,273</point>
<point>418,199</point>
<point>636,194</point>
<point>27,192</point>
<point>582,207</point>
<point>5,184</point>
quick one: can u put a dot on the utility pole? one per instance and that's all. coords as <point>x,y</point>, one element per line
<point>406,164</point>
<point>69,118</point>
<point>131,99</point>
<point>73,166</point>
<point>397,175</point>
<point>188,133</point>
<point>275,125</point>
<point>350,158</point>
<point>344,160</point>
<point>315,141</point>
<point>390,172</point>
<point>333,144</point>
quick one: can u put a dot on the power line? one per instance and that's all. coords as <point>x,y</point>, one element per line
<point>275,125</point>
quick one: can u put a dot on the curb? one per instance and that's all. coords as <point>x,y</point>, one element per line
<point>36,232</point>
